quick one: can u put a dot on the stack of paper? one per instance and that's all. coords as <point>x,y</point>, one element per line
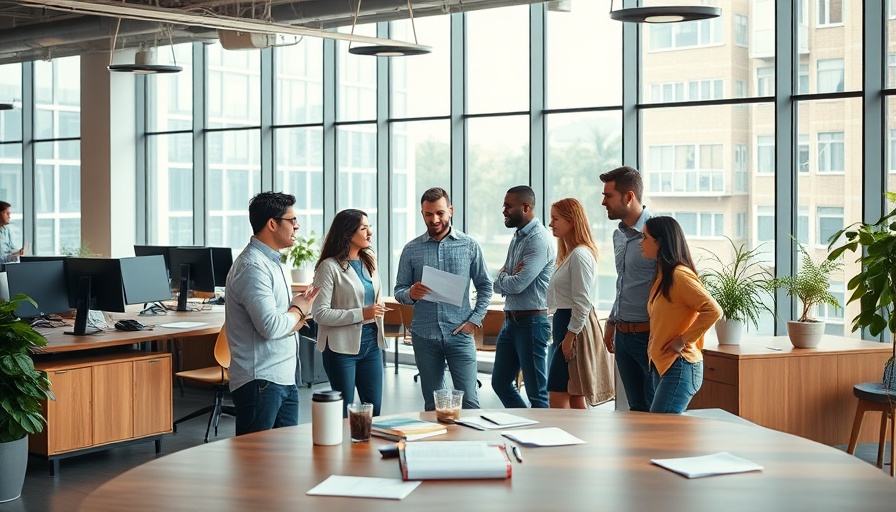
<point>720,463</point>
<point>453,460</point>
<point>408,429</point>
<point>495,420</point>
<point>363,487</point>
<point>550,436</point>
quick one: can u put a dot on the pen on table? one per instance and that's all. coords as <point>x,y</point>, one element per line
<point>517,454</point>
<point>489,420</point>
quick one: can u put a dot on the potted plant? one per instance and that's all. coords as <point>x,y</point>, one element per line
<point>301,256</point>
<point>738,287</point>
<point>810,285</point>
<point>22,389</point>
<point>875,285</point>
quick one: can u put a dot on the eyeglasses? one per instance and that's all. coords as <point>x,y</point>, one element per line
<point>294,220</point>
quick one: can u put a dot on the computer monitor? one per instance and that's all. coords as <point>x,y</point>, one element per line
<point>93,283</point>
<point>152,250</point>
<point>191,269</point>
<point>145,279</point>
<point>41,258</point>
<point>222,260</point>
<point>44,282</point>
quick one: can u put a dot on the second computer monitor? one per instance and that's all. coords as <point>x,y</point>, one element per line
<point>202,269</point>
<point>144,279</point>
<point>222,260</point>
<point>106,292</point>
<point>151,250</point>
<point>44,282</point>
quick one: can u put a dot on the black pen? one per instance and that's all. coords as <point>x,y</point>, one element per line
<point>517,454</point>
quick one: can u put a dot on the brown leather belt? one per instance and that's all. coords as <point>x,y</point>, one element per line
<point>632,327</point>
<point>515,315</point>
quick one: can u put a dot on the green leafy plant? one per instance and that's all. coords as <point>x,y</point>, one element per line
<point>80,251</point>
<point>738,286</point>
<point>303,253</point>
<point>810,284</point>
<point>22,388</point>
<point>874,287</point>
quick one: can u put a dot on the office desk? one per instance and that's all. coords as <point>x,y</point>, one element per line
<point>805,392</point>
<point>108,394</point>
<point>272,471</point>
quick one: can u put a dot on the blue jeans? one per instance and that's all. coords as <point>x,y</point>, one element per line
<point>459,352</point>
<point>631,360</point>
<point>676,387</point>
<point>262,405</point>
<point>522,344</point>
<point>363,370</point>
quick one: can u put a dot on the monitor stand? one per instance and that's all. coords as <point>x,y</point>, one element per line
<point>184,288</point>
<point>83,310</point>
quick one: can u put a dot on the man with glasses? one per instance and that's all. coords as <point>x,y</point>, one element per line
<point>262,320</point>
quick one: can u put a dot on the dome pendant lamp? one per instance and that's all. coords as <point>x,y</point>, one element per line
<point>390,50</point>
<point>144,60</point>
<point>664,14</point>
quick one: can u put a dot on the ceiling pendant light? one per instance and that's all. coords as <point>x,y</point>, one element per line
<point>144,60</point>
<point>389,50</point>
<point>664,14</point>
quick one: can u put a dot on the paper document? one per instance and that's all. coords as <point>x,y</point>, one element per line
<point>721,463</point>
<point>363,487</point>
<point>494,421</point>
<point>550,436</point>
<point>445,287</point>
<point>183,325</point>
<point>453,460</point>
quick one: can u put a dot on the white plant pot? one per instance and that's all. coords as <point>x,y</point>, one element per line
<point>301,275</point>
<point>13,463</point>
<point>805,334</point>
<point>729,331</point>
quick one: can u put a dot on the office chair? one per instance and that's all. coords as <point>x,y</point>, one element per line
<point>219,378</point>
<point>393,327</point>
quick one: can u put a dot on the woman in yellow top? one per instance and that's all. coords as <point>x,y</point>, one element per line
<point>681,311</point>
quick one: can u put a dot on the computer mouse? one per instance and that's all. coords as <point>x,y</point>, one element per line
<point>129,325</point>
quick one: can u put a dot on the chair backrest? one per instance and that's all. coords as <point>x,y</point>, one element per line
<point>392,318</point>
<point>222,349</point>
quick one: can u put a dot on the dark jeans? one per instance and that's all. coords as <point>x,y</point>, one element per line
<point>363,370</point>
<point>676,387</point>
<point>522,345</point>
<point>262,405</point>
<point>631,360</point>
<point>459,352</point>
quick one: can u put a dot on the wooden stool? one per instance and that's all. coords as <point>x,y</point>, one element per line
<point>873,397</point>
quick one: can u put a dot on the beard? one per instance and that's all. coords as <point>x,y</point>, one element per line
<point>513,220</point>
<point>616,213</point>
<point>437,231</point>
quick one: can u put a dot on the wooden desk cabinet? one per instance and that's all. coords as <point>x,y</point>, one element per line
<point>103,400</point>
<point>805,392</point>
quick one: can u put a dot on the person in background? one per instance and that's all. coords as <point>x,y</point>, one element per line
<point>580,371</point>
<point>262,321</point>
<point>9,250</point>
<point>348,310</point>
<point>442,332</point>
<point>681,311</point>
<point>523,281</point>
<point>628,326</point>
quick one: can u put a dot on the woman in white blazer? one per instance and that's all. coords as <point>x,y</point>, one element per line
<point>349,311</point>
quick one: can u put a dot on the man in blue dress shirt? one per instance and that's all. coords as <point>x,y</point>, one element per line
<point>628,327</point>
<point>442,333</point>
<point>9,249</point>
<point>523,281</point>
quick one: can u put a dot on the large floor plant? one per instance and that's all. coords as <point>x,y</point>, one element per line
<point>22,389</point>
<point>874,287</point>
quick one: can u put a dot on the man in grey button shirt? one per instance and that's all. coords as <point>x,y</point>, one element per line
<point>261,321</point>
<point>628,327</point>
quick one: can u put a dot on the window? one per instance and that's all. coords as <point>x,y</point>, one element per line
<point>803,80</point>
<point>693,90</point>
<point>828,313</point>
<point>891,153</point>
<point>740,89</point>
<point>765,81</point>
<point>740,225</point>
<point>831,157</point>
<point>740,30</point>
<point>685,168</point>
<point>701,224</point>
<point>669,36</point>
<point>830,75</point>
<point>765,154</point>
<point>829,12</point>
<point>741,165</point>
<point>802,225</point>
<point>765,223</point>
<point>830,220</point>
<point>802,156</point>
<point>891,65</point>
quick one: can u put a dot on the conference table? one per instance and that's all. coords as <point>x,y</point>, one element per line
<point>273,470</point>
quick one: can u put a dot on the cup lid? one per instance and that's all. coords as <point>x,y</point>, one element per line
<point>327,395</point>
